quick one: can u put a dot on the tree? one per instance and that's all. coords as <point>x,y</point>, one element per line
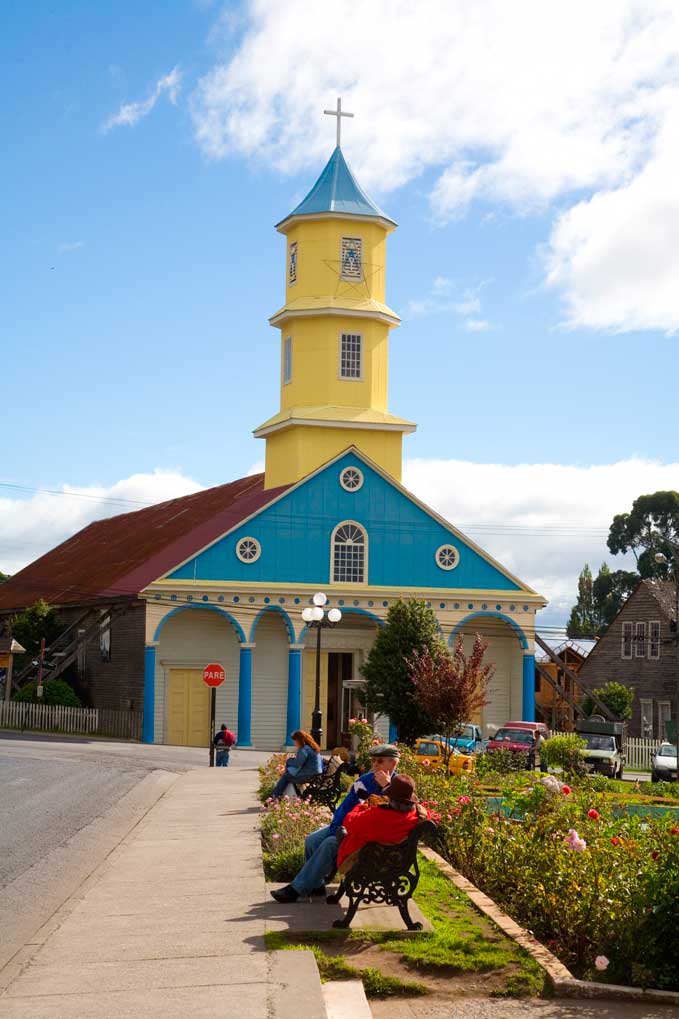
<point>617,698</point>
<point>582,622</point>
<point>410,627</point>
<point>3,577</point>
<point>651,526</point>
<point>30,626</point>
<point>599,600</point>
<point>450,688</point>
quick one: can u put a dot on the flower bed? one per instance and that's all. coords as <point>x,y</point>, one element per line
<point>597,888</point>
<point>285,825</point>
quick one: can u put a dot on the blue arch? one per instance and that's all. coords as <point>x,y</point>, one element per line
<point>286,619</point>
<point>345,612</point>
<point>205,608</point>
<point>497,615</point>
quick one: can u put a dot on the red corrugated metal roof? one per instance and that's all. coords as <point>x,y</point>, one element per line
<point>120,555</point>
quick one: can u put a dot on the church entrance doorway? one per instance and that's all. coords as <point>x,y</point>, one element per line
<point>340,669</point>
<point>188,709</point>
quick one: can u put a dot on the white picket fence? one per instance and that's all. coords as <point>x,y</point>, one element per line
<point>57,718</point>
<point>638,751</point>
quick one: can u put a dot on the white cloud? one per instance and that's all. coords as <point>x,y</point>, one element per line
<point>440,300</point>
<point>68,246</point>
<point>31,526</point>
<point>516,104</point>
<point>130,114</point>
<point>615,256</point>
<point>476,325</point>
<point>542,521</point>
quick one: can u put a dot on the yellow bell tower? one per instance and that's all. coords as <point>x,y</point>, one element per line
<point>334,332</point>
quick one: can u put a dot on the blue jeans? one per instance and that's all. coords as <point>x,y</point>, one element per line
<point>222,759</point>
<point>281,784</point>
<point>320,861</point>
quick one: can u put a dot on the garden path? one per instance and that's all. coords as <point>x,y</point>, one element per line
<point>498,1008</point>
<point>164,925</point>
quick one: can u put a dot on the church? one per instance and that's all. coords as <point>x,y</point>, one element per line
<point>224,575</point>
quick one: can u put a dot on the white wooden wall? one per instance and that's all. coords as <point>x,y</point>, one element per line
<point>193,639</point>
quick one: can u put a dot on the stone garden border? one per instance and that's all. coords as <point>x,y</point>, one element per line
<point>564,983</point>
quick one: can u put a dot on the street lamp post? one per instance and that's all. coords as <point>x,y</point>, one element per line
<point>660,557</point>
<point>315,616</point>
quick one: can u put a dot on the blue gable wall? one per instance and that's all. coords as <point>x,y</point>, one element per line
<point>295,535</point>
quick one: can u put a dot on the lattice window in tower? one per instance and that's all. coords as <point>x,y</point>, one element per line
<point>447,557</point>
<point>351,356</point>
<point>292,263</point>
<point>352,258</point>
<point>248,550</point>
<point>349,554</point>
<point>287,360</point>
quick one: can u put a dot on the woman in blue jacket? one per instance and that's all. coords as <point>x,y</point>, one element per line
<point>305,765</point>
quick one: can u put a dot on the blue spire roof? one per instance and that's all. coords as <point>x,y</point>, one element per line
<point>337,190</point>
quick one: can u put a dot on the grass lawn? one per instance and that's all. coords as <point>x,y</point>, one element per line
<point>464,953</point>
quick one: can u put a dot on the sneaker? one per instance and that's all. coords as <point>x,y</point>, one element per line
<point>318,891</point>
<point>287,894</point>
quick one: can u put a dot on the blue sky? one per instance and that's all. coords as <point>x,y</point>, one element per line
<point>140,261</point>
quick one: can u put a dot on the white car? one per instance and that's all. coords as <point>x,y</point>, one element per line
<point>664,764</point>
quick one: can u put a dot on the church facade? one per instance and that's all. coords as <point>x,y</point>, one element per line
<point>228,572</point>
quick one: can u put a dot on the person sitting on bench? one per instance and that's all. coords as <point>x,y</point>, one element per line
<point>304,766</point>
<point>320,848</point>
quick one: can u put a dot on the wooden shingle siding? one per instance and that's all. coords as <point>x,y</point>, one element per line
<point>651,678</point>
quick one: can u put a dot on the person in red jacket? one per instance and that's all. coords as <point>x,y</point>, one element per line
<point>389,822</point>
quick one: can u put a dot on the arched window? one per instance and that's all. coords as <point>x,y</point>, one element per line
<point>349,554</point>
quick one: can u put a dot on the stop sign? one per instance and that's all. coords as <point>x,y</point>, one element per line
<point>214,674</point>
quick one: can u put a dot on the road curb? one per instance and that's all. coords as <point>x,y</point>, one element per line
<point>565,985</point>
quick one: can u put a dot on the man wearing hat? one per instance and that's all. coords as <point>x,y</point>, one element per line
<point>388,823</point>
<point>320,848</point>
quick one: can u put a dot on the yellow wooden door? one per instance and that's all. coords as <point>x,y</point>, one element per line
<point>188,709</point>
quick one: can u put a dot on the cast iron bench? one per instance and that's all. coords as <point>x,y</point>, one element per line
<point>323,788</point>
<point>383,874</point>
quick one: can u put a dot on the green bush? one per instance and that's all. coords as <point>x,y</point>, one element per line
<point>617,698</point>
<point>55,691</point>
<point>564,752</point>
<point>500,762</point>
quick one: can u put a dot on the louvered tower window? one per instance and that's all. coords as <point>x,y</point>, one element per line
<point>352,258</point>
<point>349,554</point>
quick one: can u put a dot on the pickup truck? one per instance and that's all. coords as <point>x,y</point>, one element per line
<point>605,750</point>
<point>468,741</point>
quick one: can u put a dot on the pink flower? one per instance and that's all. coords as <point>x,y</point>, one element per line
<point>574,842</point>
<point>594,814</point>
<point>566,790</point>
<point>275,836</point>
<point>426,762</point>
<point>601,962</point>
<point>464,800</point>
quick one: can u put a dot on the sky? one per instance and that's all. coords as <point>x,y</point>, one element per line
<point>528,153</point>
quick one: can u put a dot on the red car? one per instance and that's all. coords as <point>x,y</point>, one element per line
<point>510,737</point>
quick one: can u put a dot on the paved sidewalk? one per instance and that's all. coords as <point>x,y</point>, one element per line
<point>166,927</point>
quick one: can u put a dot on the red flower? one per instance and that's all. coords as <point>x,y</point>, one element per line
<point>458,810</point>
<point>566,790</point>
<point>464,800</point>
<point>674,831</point>
<point>594,814</point>
<point>616,841</point>
<point>655,854</point>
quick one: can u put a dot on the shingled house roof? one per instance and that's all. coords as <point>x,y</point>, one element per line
<point>118,557</point>
<point>665,593</point>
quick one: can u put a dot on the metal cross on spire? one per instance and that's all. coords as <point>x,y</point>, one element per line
<point>339,113</point>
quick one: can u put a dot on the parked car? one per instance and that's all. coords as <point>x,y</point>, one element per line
<point>664,763</point>
<point>605,749</point>
<point>469,740</point>
<point>519,741</point>
<point>532,727</point>
<point>434,752</point>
